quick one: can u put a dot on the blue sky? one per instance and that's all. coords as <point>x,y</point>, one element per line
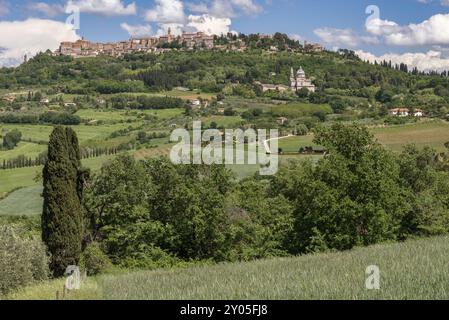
<point>402,27</point>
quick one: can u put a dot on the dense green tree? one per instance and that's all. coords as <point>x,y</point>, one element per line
<point>303,93</point>
<point>190,199</point>
<point>428,193</point>
<point>11,139</point>
<point>350,197</point>
<point>261,224</point>
<point>338,105</point>
<point>62,217</point>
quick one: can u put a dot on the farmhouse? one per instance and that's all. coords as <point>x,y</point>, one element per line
<point>399,112</point>
<point>405,112</point>
<point>282,120</point>
<point>418,113</point>
<point>9,98</point>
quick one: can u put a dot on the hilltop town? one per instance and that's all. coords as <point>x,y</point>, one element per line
<point>185,41</point>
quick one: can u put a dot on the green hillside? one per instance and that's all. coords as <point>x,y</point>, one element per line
<point>351,174</point>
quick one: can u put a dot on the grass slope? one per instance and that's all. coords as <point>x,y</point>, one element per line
<point>23,202</point>
<point>411,270</point>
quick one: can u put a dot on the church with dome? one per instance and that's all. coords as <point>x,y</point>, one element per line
<point>299,81</point>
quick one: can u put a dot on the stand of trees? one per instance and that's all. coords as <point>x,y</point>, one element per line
<point>57,118</point>
<point>145,102</point>
<point>152,213</point>
<point>147,214</point>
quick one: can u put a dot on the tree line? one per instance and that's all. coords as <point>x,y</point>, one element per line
<point>50,117</point>
<point>23,161</point>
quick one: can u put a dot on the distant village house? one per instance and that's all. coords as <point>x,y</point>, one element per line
<point>405,112</point>
<point>85,48</point>
<point>312,47</point>
<point>282,120</point>
<point>9,98</point>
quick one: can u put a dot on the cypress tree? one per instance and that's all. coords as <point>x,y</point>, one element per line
<point>62,217</point>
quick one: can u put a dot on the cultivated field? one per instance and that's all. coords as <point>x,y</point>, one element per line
<point>113,116</point>
<point>84,132</point>
<point>13,179</point>
<point>23,202</point>
<point>227,122</point>
<point>29,149</point>
<point>292,144</point>
<point>431,133</point>
<point>413,270</point>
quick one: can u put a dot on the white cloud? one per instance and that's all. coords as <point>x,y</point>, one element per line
<point>137,30</point>
<point>176,29</point>
<point>30,37</point>
<point>166,11</point>
<point>209,16</point>
<point>442,2</point>
<point>431,60</point>
<point>248,7</point>
<point>222,8</point>
<point>226,8</point>
<point>433,31</point>
<point>296,37</point>
<point>214,17</point>
<point>50,10</point>
<point>104,7</point>
<point>168,14</point>
<point>343,37</point>
<point>209,24</point>
<point>381,27</point>
<point>198,7</point>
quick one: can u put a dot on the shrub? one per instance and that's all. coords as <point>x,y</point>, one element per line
<point>302,130</point>
<point>22,260</point>
<point>94,260</point>
<point>11,139</point>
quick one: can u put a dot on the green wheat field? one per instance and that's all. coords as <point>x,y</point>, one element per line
<point>417,269</point>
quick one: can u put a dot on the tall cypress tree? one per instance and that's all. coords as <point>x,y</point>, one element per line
<point>62,217</point>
